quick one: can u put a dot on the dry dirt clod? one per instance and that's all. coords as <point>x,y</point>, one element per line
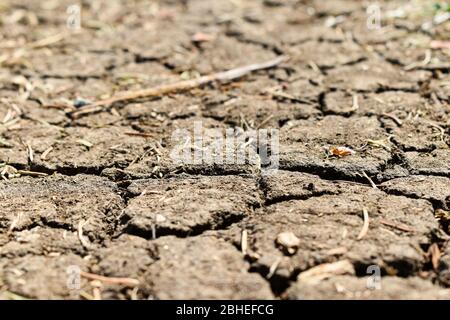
<point>288,242</point>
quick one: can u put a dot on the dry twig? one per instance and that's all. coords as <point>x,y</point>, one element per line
<point>140,134</point>
<point>369,179</point>
<point>178,86</point>
<point>130,282</point>
<point>31,173</point>
<point>390,116</point>
<point>397,226</point>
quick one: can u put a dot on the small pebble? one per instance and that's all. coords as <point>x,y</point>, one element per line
<point>288,241</point>
<point>80,102</point>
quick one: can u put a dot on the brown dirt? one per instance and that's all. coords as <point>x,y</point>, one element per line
<point>178,229</point>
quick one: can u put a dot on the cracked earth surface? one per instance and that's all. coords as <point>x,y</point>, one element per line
<point>107,198</point>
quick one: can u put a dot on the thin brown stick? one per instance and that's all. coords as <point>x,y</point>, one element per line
<point>140,134</point>
<point>265,121</point>
<point>111,280</point>
<point>178,86</point>
<point>394,225</point>
<point>396,120</point>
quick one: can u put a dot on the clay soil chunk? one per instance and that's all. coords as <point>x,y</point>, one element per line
<point>203,268</point>
<point>188,206</point>
<point>329,221</point>
<point>59,201</point>
<point>305,146</point>
<point>347,287</point>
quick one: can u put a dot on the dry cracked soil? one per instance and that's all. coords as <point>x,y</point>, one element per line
<point>93,207</point>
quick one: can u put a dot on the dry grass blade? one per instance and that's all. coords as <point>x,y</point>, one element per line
<point>30,153</point>
<point>441,130</point>
<point>326,270</point>
<point>31,173</point>
<point>81,237</point>
<point>381,143</point>
<point>337,251</point>
<point>435,255</point>
<point>355,105</point>
<point>46,41</point>
<point>244,241</point>
<point>369,179</point>
<point>178,86</point>
<point>426,61</point>
<point>86,295</point>
<point>390,116</point>
<point>85,143</point>
<point>274,267</point>
<point>365,227</point>
<point>5,144</point>
<point>12,296</point>
<point>14,223</point>
<point>265,121</point>
<point>284,95</point>
<point>129,282</point>
<point>97,294</point>
<point>45,153</point>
